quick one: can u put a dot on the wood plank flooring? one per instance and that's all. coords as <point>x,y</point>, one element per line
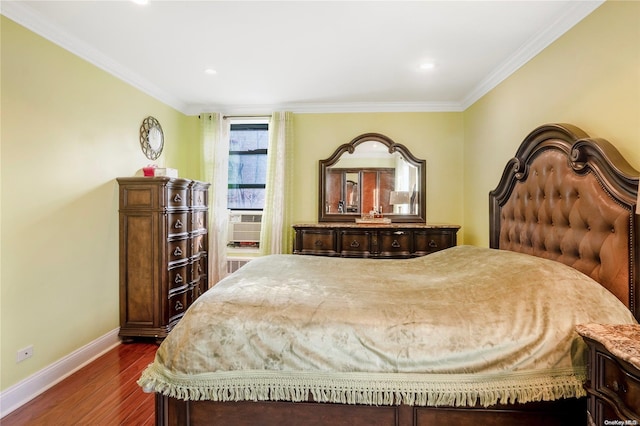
<point>103,392</point>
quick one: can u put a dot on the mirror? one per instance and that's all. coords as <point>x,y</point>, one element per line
<point>151,138</point>
<point>372,173</point>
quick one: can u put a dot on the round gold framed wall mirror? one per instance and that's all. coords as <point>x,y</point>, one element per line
<point>151,138</point>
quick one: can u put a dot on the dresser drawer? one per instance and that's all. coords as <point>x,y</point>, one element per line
<point>177,224</point>
<point>356,243</point>
<point>432,240</point>
<point>316,241</point>
<point>383,241</point>
<point>616,383</point>
<point>394,243</point>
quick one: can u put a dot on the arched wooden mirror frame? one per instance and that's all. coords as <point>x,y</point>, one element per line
<point>326,215</point>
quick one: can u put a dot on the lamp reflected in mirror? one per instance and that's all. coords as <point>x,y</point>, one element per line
<point>400,201</point>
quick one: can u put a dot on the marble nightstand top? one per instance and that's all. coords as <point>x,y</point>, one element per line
<point>622,340</point>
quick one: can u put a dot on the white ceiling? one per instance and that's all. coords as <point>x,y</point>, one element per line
<point>305,56</point>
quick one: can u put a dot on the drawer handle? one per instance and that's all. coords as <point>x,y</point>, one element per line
<point>177,198</point>
<point>178,279</point>
<point>433,244</point>
<point>355,244</point>
<point>318,243</point>
<point>178,224</point>
<point>399,232</point>
<point>618,387</point>
<point>395,244</point>
<point>177,252</point>
<point>200,199</point>
<point>179,306</point>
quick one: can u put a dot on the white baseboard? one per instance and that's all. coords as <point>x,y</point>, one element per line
<point>24,391</point>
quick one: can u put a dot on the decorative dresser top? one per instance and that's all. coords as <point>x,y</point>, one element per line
<point>622,340</point>
<point>391,225</point>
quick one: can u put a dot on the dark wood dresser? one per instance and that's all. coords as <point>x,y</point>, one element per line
<point>613,384</point>
<point>163,252</point>
<point>384,241</point>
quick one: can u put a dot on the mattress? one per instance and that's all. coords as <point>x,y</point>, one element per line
<point>463,326</point>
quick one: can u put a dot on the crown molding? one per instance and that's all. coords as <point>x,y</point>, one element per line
<point>574,13</point>
<point>328,108</point>
<point>23,15</point>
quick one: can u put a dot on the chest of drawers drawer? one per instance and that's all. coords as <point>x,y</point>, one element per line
<point>198,220</point>
<point>177,224</point>
<point>199,196</point>
<point>178,303</point>
<point>178,250</point>
<point>176,197</point>
<point>198,268</point>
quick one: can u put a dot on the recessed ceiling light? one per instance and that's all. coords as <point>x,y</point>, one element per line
<point>427,66</point>
<point>210,71</point>
<point>141,2</point>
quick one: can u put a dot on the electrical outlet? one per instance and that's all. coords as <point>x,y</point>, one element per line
<point>24,353</point>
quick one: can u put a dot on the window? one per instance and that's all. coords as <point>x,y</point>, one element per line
<point>248,144</point>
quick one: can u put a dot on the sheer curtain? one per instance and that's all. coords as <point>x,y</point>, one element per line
<point>276,235</point>
<point>214,167</point>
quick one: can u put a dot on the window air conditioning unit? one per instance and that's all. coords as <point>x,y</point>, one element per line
<point>244,227</point>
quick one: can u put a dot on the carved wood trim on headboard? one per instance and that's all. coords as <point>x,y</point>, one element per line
<point>571,198</point>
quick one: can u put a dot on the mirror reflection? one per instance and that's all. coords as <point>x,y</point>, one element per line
<point>372,174</point>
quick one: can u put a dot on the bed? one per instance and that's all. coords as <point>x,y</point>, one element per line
<point>463,336</point>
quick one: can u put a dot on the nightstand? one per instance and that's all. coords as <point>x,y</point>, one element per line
<point>613,384</point>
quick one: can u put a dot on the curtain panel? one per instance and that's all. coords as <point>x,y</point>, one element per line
<point>214,168</point>
<point>276,235</point>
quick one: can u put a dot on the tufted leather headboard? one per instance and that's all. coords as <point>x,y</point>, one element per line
<point>571,198</point>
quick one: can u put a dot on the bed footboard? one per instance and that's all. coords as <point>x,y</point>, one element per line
<point>171,411</point>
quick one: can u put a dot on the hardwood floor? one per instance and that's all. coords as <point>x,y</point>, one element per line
<point>101,393</point>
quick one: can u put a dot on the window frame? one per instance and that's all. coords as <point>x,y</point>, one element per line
<point>247,125</point>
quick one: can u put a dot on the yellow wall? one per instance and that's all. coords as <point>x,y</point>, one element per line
<point>68,130</point>
<point>436,137</point>
<point>589,77</point>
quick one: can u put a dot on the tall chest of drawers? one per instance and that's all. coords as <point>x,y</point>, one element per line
<point>163,252</point>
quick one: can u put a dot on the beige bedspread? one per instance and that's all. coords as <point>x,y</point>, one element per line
<point>462,325</point>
